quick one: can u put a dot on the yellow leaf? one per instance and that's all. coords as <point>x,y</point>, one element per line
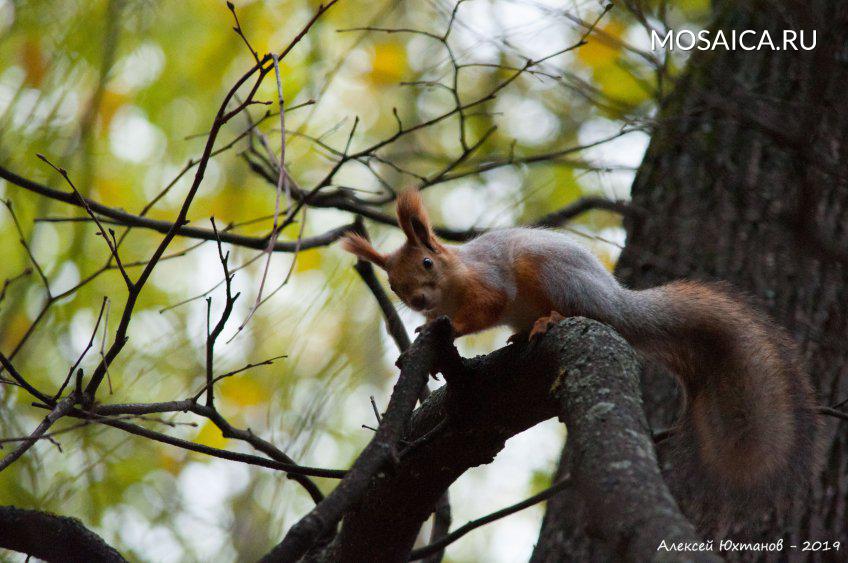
<point>601,49</point>
<point>109,105</point>
<point>308,260</point>
<point>693,8</point>
<point>209,435</point>
<point>109,190</point>
<point>14,330</point>
<point>169,462</point>
<point>620,85</point>
<point>243,391</point>
<point>388,63</point>
<point>33,61</point>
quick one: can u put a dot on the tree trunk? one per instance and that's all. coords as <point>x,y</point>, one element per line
<point>746,180</point>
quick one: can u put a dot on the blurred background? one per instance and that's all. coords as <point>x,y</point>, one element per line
<point>121,92</point>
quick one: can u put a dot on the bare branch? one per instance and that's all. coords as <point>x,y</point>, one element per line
<point>212,337</point>
<point>438,546</point>
<point>249,366</point>
<point>22,240</point>
<point>131,220</point>
<point>393,323</point>
<point>7,365</point>
<point>61,409</point>
<point>582,205</point>
<point>84,352</point>
<point>112,244</point>
<point>282,185</point>
<point>102,412</point>
<point>240,32</point>
<point>10,281</point>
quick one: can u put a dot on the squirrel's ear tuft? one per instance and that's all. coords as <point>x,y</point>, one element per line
<point>362,249</point>
<point>412,218</point>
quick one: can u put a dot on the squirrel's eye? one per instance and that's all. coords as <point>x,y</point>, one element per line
<point>428,263</point>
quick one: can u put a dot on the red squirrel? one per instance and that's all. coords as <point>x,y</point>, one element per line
<point>748,425</point>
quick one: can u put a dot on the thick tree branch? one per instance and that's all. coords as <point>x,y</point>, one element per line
<point>491,398</point>
<point>614,465</point>
<point>51,537</point>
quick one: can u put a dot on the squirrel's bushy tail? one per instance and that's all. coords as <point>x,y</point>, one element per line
<point>747,437</point>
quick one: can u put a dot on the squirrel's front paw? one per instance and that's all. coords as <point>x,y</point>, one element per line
<point>453,326</point>
<point>542,324</point>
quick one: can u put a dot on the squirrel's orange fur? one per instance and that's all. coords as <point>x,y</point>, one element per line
<point>746,437</point>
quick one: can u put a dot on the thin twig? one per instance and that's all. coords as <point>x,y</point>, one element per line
<point>112,244</point>
<point>7,365</point>
<point>102,414</point>
<point>461,531</point>
<point>244,368</point>
<point>376,410</point>
<point>84,352</point>
<point>240,33</point>
<point>61,409</point>
<point>212,337</point>
<point>9,281</point>
<point>22,240</point>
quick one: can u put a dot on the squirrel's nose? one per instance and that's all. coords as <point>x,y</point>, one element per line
<point>418,302</point>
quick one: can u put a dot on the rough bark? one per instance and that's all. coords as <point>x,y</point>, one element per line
<point>51,537</point>
<point>583,372</point>
<point>745,180</point>
<point>613,463</point>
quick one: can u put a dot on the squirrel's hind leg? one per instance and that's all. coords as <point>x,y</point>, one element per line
<point>542,324</point>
